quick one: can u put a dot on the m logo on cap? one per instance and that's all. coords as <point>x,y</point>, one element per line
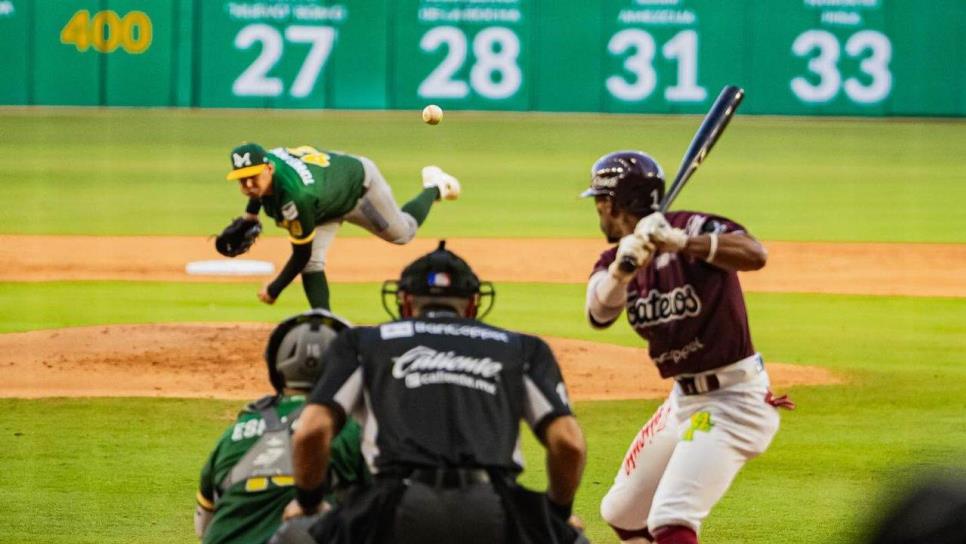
<point>247,160</point>
<point>242,160</point>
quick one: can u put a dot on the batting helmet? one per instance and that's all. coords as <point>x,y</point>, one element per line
<point>440,273</point>
<point>295,348</point>
<point>632,179</point>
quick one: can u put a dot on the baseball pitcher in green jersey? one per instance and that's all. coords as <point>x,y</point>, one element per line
<point>310,193</point>
<point>247,481</point>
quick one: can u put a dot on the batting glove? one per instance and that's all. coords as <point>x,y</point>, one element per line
<point>657,230</point>
<point>448,186</point>
<point>634,249</point>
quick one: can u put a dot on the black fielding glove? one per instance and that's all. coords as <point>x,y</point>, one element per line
<point>238,237</point>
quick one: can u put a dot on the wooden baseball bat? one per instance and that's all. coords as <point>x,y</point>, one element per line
<point>713,125</point>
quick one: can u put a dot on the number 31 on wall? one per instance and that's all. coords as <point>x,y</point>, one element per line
<point>105,31</point>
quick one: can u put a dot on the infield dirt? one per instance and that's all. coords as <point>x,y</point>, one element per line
<point>224,360</point>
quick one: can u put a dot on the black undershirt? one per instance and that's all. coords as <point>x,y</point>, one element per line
<point>301,253</point>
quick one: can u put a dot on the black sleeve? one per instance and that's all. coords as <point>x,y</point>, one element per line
<point>254,206</point>
<point>301,253</point>
<point>545,393</point>
<point>340,385</point>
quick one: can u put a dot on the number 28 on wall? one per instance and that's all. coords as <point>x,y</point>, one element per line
<point>105,31</point>
<point>494,74</point>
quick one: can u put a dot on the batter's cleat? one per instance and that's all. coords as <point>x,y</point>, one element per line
<point>448,186</point>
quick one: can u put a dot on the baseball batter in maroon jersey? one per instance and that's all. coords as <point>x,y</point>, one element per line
<point>683,297</point>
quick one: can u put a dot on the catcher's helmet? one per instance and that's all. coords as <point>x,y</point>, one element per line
<point>295,348</point>
<point>632,179</point>
<point>440,273</point>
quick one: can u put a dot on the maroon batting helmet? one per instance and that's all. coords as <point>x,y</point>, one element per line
<point>632,179</point>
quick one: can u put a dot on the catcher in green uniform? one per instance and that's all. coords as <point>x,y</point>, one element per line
<point>247,481</point>
<point>310,193</point>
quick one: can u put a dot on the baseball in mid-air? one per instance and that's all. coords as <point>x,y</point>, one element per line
<point>432,114</point>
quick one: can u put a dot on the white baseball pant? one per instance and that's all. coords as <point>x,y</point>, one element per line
<point>686,456</point>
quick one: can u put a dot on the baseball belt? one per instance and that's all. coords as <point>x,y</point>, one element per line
<point>449,477</point>
<point>719,378</point>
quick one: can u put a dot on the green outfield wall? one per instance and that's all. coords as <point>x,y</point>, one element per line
<point>799,57</point>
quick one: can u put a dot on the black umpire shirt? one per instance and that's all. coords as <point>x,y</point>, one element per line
<point>441,391</point>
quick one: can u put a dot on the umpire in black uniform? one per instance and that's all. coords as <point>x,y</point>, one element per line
<point>440,396</point>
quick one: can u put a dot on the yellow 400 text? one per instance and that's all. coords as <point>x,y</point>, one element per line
<point>105,31</point>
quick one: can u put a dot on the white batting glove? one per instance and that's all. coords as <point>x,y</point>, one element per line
<point>449,187</point>
<point>634,249</point>
<point>657,230</point>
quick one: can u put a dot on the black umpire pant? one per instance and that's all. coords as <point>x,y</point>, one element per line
<point>467,514</point>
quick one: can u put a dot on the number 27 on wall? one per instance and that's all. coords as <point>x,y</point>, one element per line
<point>255,81</point>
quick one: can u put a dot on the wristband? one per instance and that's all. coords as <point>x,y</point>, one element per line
<point>309,499</point>
<point>713,250</point>
<point>563,511</point>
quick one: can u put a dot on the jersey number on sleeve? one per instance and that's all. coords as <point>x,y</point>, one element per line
<point>309,154</point>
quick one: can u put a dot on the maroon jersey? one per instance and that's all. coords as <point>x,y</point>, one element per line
<point>691,313</point>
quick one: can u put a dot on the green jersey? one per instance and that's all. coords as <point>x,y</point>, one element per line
<point>311,187</point>
<point>249,509</point>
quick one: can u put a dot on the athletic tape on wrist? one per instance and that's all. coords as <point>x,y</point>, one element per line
<point>713,250</point>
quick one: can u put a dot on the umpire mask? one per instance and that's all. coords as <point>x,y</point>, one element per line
<point>440,274</point>
<point>295,348</point>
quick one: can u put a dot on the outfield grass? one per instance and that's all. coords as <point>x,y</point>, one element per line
<point>162,172</point>
<point>66,478</point>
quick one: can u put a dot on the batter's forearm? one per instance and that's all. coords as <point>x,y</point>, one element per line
<point>606,296</point>
<point>729,251</point>
<point>301,253</point>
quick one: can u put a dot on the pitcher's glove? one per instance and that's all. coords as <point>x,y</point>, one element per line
<point>238,237</point>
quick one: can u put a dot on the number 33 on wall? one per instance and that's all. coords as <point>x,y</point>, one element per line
<point>105,31</point>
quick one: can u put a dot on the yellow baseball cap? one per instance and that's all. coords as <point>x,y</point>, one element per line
<point>246,161</point>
